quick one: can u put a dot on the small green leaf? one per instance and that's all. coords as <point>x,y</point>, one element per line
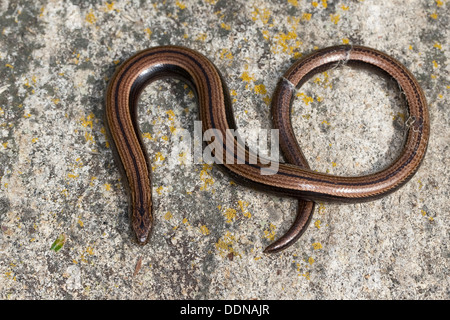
<point>59,242</point>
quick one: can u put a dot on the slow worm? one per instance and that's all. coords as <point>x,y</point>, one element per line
<point>293,179</point>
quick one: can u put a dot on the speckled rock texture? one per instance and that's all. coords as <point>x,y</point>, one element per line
<point>58,178</point>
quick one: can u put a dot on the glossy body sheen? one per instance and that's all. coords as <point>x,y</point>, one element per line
<point>294,178</point>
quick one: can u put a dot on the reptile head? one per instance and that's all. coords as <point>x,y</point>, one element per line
<point>141,223</point>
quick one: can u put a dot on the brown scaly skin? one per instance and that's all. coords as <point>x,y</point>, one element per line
<point>294,178</point>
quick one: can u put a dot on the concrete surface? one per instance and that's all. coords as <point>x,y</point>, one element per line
<point>58,177</point>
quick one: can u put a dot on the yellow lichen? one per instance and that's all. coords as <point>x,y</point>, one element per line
<point>180,5</point>
<point>109,6</point>
<point>225,26</point>
<point>103,131</point>
<point>247,77</point>
<point>306,16</point>
<point>204,230</point>
<point>306,99</point>
<point>230,214</point>
<point>148,32</point>
<point>317,224</point>
<point>201,37</point>
<point>321,208</point>
<point>262,13</point>
<point>226,54</point>
<point>205,177</point>
<point>90,250</point>
<point>148,136</point>
<point>171,115</point>
<point>90,17</point>
<point>225,245</point>
<point>89,137</point>
<point>270,234</point>
<point>88,121</point>
<point>159,157</point>
<point>335,18</point>
<point>317,245</point>
<point>160,189</point>
<point>243,205</point>
<point>260,89</point>
<point>288,42</point>
<point>168,215</point>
